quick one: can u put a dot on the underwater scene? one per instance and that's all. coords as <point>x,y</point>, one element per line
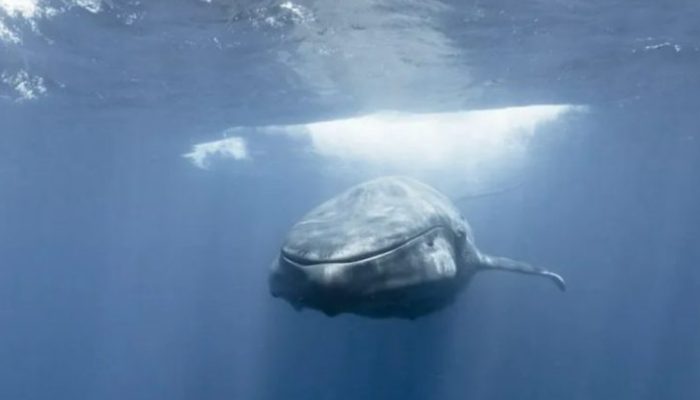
<point>361,199</point>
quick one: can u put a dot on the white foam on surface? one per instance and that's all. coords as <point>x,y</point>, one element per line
<point>203,154</point>
<point>25,86</point>
<point>463,143</point>
<point>21,8</point>
<point>435,140</point>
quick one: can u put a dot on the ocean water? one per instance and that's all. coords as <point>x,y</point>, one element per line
<point>153,155</point>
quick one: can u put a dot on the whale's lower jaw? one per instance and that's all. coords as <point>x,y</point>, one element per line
<point>405,303</point>
<point>421,276</point>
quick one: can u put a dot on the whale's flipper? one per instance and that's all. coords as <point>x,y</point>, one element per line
<point>506,264</point>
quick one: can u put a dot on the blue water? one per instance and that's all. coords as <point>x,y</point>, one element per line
<point>129,271</point>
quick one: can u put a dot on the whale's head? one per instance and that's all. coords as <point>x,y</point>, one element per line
<point>390,247</point>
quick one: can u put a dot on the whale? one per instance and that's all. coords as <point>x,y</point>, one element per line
<point>391,247</point>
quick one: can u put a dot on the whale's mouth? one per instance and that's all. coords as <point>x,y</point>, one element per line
<point>366,256</point>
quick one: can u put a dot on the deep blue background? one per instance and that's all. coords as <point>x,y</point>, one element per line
<point>126,273</point>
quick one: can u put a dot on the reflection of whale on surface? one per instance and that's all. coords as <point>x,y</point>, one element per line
<point>390,247</point>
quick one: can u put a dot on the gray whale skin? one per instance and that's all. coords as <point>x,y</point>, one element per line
<point>389,247</point>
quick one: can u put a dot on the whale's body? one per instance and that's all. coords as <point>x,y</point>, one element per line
<point>390,247</point>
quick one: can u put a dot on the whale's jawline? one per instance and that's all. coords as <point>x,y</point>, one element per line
<point>360,257</point>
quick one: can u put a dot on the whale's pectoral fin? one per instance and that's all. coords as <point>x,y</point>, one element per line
<point>506,264</point>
